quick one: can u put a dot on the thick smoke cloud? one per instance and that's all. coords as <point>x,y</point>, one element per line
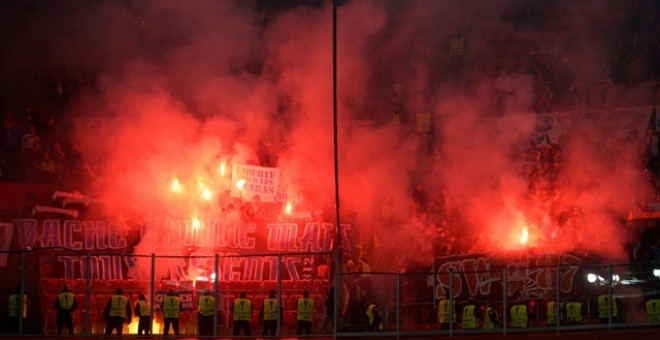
<point>183,86</point>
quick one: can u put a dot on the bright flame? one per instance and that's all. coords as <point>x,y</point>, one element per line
<point>176,185</point>
<point>223,169</point>
<point>196,223</point>
<point>240,184</point>
<point>155,327</point>
<point>207,194</point>
<point>288,208</point>
<point>524,236</point>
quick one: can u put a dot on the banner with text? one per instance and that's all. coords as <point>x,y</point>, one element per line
<point>253,181</point>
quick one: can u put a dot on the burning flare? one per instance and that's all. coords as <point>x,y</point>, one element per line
<point>524,235</point>
<point>288,208</point>
<point>223,169</point>
<point>240,184</point>
<point>176,185</point>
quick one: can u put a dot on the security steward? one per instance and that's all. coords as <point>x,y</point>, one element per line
<point>17,309</point>
<point>469,317</point>
<point>242,315</point>
<point>171,309</point>
<point>143,312</point>
<point>375,320</point>
<point>603,308</point>
<point>551,313</point>
<point>574,312</point>
<point>65,304</point>
<point>205,310</point>
<point>269,315</point>
<point>653,309</point>
<point>519,316</point>
<point>305,313</point>
<point>491,320</point>
<point>443,313</point>
<point>117,312</point>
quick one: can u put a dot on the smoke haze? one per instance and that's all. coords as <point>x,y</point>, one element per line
<point>184,86</point>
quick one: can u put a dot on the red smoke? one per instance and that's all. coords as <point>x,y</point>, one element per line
<point>184,87</point>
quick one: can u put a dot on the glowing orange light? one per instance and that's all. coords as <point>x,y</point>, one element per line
<point>223,168</point>
<point>196,223</point>
<point>524,236</point>
<point>240,184</point>
<point>207,194</point>
<point>176,185</point>
<point>288,208</point>
<point>155,327</point>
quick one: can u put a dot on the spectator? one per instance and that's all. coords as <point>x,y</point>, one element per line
<point>420,200</point>
<point>11,146</point>
<point>29,139</point>
<point>47,169</point>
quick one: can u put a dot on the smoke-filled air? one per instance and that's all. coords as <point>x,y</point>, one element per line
<point>184,91</point>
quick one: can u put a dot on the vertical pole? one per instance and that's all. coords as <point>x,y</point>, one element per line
<point>398,305</point>
<point>558,298</point>
<point>337,283</point>
<point>216,295</point>
<point>279,294</point>
<point>21,294</point>
<point>88,290</point>
<point>152,294</point>
<point>337,245</point>
<point>504,313</point>
<point>451,302</point>
<point>609,297</point>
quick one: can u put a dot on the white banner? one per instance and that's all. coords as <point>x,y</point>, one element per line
<point>257,181</point>
<point>6,232</point>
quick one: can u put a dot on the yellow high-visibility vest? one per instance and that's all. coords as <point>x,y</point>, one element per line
<point>519,316</point>
<point>118,305</point>
<point>65,300</point>
<point>242,309</point>
<point>206,305</point>
<point>469,318</point>
<point>171,306</point>
<point>443,311</point>
<point>144,308</point>
<point>653,310</point>
<point>372,316</point>
<point>602,306</point>
<point>488,323</point>
<point>574,312</point>
<point>305,309</point>
<point>271,307</point>
<point>15,305</point>
<point>552,312</point>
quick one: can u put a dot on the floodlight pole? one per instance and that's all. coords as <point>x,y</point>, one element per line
<point>337,244</point>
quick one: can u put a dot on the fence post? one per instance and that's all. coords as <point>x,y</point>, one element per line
<point>22,293</point>
<point>504,288</point>
<point>88,290</point>
<point>451,302</point>
<point>216,295</point>
<point>398,305</point>
<point>152,295</point>
<point>609,297</point>
<point>279,294</point>
<point>558,298</point>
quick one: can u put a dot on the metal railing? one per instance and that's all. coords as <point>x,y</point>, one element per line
<point>609,295</point>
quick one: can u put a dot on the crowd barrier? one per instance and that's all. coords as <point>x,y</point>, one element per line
<point>406,302</point>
